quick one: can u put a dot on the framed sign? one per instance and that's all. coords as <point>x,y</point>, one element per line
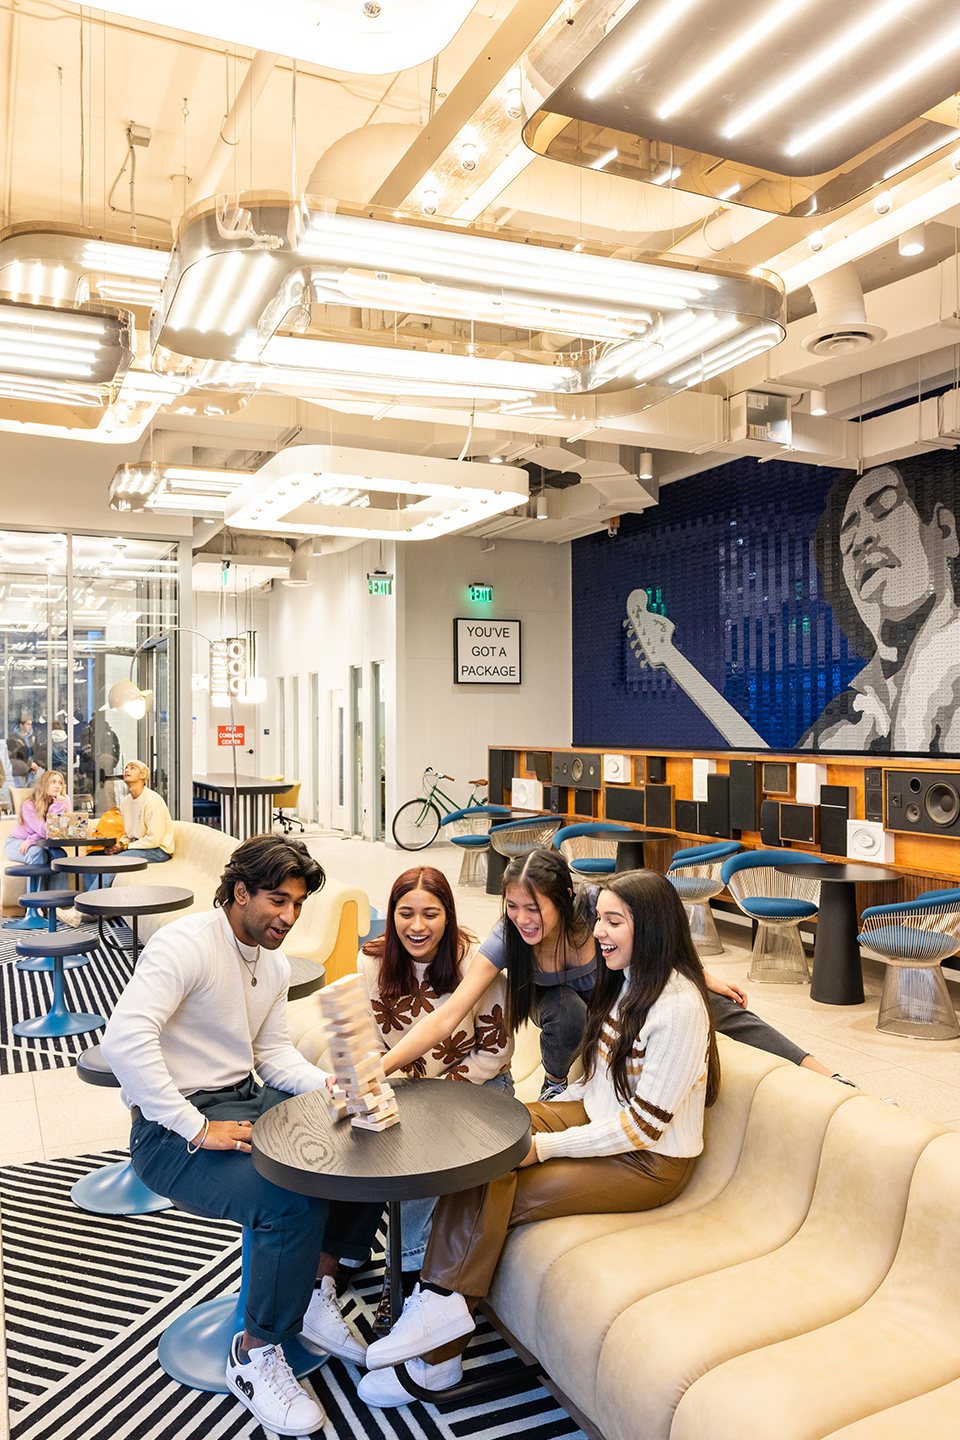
<point>486,652</point>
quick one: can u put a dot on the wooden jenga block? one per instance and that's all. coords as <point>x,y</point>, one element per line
<point>362,1090</point>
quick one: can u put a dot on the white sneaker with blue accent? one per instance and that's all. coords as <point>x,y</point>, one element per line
<point>266,1385</point>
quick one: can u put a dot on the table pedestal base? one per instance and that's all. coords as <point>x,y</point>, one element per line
<point>629,855</point>
<point>837,972</point>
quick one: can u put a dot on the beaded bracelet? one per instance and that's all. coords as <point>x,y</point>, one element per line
<point>206,1127</point>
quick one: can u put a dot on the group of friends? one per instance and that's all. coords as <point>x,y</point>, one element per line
<point>610,975</point>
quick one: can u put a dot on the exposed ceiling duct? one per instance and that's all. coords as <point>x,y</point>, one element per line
<point>235,125</point>
<point>842,326</point>
<point>355,166</point>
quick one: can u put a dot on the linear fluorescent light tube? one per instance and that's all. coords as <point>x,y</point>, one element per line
<point>671,173</point>
<point>868,98</point>
<point>322,355</point>
<point>638,45</point>
<point>822,61</point>
<point>730,55</point>
<point>684,349</point>
<point>605,159</point>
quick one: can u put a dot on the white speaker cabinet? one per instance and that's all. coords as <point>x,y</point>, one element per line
<point>809,780</point>
<point>867,840</point>
<point>616,769</point>
<point>701,769</point>
<point>526,794</point>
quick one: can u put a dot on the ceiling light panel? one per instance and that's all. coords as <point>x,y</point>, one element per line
<point>88,348</point>
<point>174,489</point>
<point>61,265</point>
<point>314,489</point>
<point>364,38</point>
<point>801,104</point>
<point>407,310</point>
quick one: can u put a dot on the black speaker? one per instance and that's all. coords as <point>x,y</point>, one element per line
<point>657,769</point>
<point>625,805</point>
<point>838,804</point>
<point>539,762</point>
<point>799,822</point>
<point>582,769</point>
<point>555,799</point>
<point>660,807</point>
<point>744,794</point>
<point>776,778</point>
<point>583,803</point>
<point>872,795</point>
<point>686,816</point>
<point>715,813</point>
<point>923,802</point>
<point>770,822</point>
<point>502,768</point>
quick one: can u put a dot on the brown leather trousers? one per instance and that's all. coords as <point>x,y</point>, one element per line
<point>470,1229</point>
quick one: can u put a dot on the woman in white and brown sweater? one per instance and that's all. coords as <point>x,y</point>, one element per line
<point>621,1139</point>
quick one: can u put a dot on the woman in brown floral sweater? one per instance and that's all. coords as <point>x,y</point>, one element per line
<point>409,971</point>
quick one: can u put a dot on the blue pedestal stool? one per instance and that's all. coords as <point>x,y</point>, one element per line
<point>58,1020</point>
<point>32,874</point>
<point>113,1189</point>
<point>194,1348</point>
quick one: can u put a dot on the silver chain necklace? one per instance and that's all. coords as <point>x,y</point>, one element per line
<point>250,964</point>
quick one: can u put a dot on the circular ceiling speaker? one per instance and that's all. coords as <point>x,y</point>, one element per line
<point>942,804</point>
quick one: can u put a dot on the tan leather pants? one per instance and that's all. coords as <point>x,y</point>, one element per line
<point>470,1229</point>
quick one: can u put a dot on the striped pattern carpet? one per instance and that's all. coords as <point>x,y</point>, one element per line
<point>88,1296</point>
<point>92,988</point>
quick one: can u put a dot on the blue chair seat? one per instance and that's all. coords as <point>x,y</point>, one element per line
<point>903,942</point>
<point>691,888</point>
<point>470,842</point>
<point>593,865</point>
<point>770,907</point>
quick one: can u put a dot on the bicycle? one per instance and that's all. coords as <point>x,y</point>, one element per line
<point>417,823</point>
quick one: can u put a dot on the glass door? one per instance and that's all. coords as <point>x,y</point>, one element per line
<point>356,757</point>
<point>379,750</point>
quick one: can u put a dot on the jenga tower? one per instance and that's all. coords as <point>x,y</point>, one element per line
<point>362,1091</point>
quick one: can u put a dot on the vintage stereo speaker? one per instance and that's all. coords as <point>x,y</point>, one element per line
<point>526,794</point>
<point>715,811</point>
<point>502,770</point>
<point>701,769</point>
<point>555,799</point>
<point>625,805</point>
<point>770,822</point>
<point>776,778</point>
<point>581,769</point>
<point>923,802</point>
<point>657,769</point>
<point>744,795</point>
<point>616,769</point>
<point>873,794</point>
<point>867,840</point>
<point>539,762</point>
<point>800,822</point>
<point>838,804</point>
<point>809,779</point>
<point>686,817</point>
<point>659,807</point>
<point>584,804</point>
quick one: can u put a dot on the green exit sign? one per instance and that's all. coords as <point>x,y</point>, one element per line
<point>481,592</point>
<point>379,584</point>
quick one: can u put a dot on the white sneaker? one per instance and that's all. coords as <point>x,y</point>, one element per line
<point>71,917</point>
<point>326,1327</point>
<point>382,1389</point>
<point>428,1320</point>
<point>269,1389</point>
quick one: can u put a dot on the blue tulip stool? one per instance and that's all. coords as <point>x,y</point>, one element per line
<point>58,1020</point>
<point>113,1189</point>
<point>32,873</point>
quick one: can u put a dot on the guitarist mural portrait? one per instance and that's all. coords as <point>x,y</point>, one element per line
<point>777,605</point>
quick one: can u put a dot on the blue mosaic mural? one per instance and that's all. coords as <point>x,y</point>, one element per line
<point>726,587</point>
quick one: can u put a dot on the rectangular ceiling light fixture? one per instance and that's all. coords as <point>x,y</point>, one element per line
<point>61,265</point>
<point>174,489</point>
<point>302,298</point>
<point>88,346</point>
<point>371,494</point>
<point>803,105</point>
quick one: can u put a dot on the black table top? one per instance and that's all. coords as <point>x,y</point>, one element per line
<point>73,843</point>
<point>100,864</point>
<point>134,900</point>
<point>306,976</point>
<point>452,1135</point>
<point>246,784</point>
<point>822,870</point>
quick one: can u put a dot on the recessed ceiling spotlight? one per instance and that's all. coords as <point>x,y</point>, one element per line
<point>912,241</point>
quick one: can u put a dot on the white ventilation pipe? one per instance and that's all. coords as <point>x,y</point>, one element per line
<point>355,166</point>
<point>233,128</point>
<point>842,327</point>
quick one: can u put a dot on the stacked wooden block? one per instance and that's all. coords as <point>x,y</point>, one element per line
<point>362,1090</point>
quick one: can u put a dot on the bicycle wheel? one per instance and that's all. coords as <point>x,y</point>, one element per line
<point>416,824</point>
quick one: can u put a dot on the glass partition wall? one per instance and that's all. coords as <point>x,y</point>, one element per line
<point>73,611</point>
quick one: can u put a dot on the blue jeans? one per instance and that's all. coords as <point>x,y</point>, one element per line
<point>416,1216</point>
<point>289,1231</point>
<point>155,856</point>
<point>40,855</point>
<point>561,1014</point>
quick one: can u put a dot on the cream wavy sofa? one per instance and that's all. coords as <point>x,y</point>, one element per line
<point>329,922</point>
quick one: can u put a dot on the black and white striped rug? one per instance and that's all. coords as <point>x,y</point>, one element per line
<point>92,988</point>
<point>88,1297</point>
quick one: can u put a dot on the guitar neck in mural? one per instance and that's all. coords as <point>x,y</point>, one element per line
<point>652,643</point>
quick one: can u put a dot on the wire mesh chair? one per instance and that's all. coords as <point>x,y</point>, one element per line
<point>914,937</point>
<point>591,848</point>
<point>778,903</point>
<point>695,875</point>
<point>470,830</point>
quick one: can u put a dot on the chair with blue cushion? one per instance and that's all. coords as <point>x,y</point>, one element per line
<point>590,849</point>
<point>695,875</point>
<point>913,937</point>
<point>779,904</point>
<point>470,830</point>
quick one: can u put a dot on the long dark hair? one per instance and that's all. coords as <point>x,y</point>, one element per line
<point>544,873</point>
<point>396,964</point>
<point>661,944</point>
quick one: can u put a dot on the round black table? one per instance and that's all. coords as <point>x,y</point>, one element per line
<point>451,1136</point>
<point>837,972</point>
<point>630,851</point>
<point>100,865</point>
<point>133,900</point>
<point>306,976</point>
<point>76,842</point>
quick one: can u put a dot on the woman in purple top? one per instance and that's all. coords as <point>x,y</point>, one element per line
<point>22,845</point>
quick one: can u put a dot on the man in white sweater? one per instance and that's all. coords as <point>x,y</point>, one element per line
<point>204,1009</point>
